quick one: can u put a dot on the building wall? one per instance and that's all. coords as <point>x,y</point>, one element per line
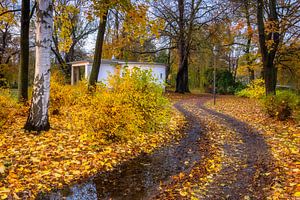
<point>158,71</point>
<point>105,70</point>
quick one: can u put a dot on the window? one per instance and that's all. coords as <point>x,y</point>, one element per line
<point>161,76</point>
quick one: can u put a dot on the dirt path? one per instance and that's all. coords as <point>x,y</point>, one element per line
<point>247,162</point>
<point>243,175</point>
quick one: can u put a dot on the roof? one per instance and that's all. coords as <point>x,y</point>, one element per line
<point>106,61</point>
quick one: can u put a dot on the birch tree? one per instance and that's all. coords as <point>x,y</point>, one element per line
<point>38,113</point>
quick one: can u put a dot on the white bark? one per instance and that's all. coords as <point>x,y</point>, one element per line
<point>38,115</point>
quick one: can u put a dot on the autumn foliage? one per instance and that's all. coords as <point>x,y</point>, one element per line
<point>283,105</point>
<point>255,89</point>
<point>130,105</point>
<point>9,107</point>
<point>90,132</point>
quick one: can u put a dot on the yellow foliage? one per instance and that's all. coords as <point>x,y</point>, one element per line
<point>8,107</point>
<point>64,23</point>
<point>255,89</point>
<point>130,105</point>
<point>136,29</point>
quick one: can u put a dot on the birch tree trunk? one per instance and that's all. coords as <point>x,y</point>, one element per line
<point>38,113</point>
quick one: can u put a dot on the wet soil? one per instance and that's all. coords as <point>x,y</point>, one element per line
<point>140,178</point>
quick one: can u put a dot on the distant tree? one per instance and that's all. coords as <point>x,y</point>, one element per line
<point>38,113</point>
<point>131,33</point>
<point>249,34</point>
<point>131,36</point>
<point>71,28</point>
<point>182,18</point>
<point>8,41</point>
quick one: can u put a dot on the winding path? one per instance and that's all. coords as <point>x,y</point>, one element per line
<point>244,169</point>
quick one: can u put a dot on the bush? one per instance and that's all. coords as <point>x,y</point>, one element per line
<point>62,95</point>
<point>282,105</point>
<point>8,107</point>
<point>225,83</point>
<point>3,83</point>
<point>128,106</point>
<point>256,89</point>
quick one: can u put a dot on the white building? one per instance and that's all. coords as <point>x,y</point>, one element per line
<point>82,69</point>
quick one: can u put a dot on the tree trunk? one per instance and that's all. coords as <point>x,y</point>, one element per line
<point>98,50</point>
<point>251,74</point>
<point>24,65</point>
<point>249,40</point>
<point>117,25</point>
<point>270,75</point>
<point>182,85</point>
<point>235,69</point>
<point>38,113</point>
<point>168,69</point>
<point>247,51</point>
<point>268,54</point>
<point>186,74</point>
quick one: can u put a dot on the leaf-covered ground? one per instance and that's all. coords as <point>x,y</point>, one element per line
<point>229,151</point>
<point>30,163</point>
<point>283,138</point>
<point>235,163</point>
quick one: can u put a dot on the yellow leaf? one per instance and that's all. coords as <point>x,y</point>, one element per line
<point>181,175</point>
<point>3,196</point>
<point>35,159</point>
<point>16,196</point>
<point>2,168</point>
<point>297,194</point>
<point>57,175</point>
<point>4,190</point>
<point>183,193</point>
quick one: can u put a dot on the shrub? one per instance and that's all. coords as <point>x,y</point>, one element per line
<point>225,83</point>
<point>282,105</point>
<point>239,86</point>
<point>62,95</point>
<point>8,107</point>
<point>129,105</point>
<point>3,83</point>
<point>255,89</point>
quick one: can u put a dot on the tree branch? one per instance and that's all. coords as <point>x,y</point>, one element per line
<point>155,51</point>
<point>9,11</point>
